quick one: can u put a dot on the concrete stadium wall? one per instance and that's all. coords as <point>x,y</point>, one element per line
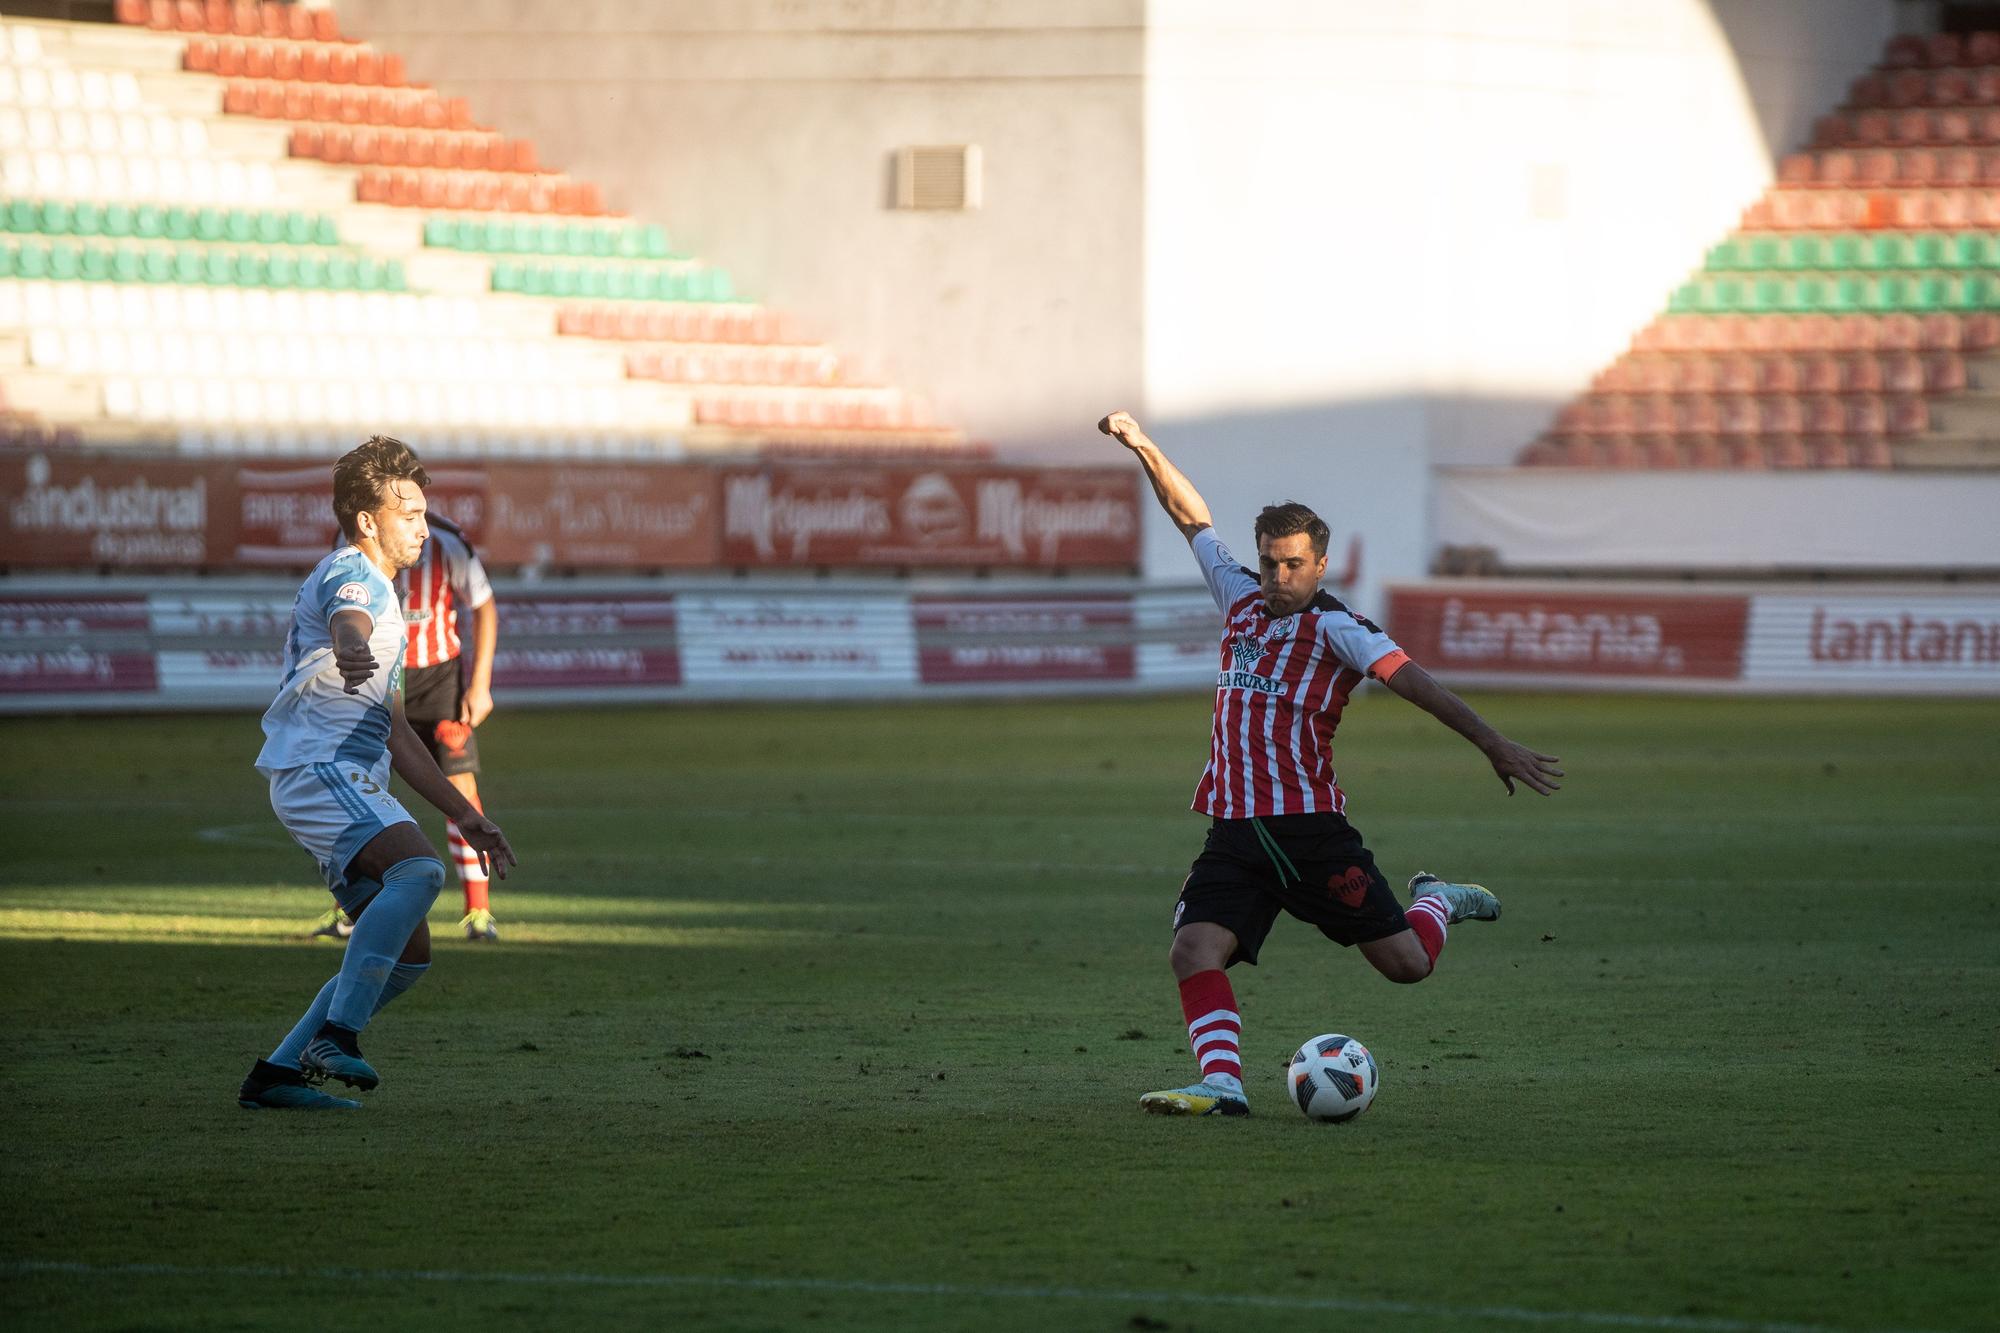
<point>760,133</point>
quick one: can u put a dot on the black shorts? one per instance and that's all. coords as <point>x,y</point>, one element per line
<point>431,698</point>
<point>1312,866</point>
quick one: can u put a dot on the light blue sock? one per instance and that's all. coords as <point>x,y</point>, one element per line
<point>401,977</point>
<point>384,927</point>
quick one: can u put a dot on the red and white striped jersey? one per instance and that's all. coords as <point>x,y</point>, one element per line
<point>1283,684</point>
<point>446,578</point>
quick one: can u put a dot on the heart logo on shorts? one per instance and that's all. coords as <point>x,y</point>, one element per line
<point>1350,887</point>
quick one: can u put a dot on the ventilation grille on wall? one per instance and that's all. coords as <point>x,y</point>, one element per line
<point>943,176</point>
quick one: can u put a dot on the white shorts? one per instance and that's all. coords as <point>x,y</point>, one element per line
<point>333,810</point>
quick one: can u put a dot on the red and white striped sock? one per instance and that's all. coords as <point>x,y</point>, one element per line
<point>470,876</point>
<point>1429,916</point>
<point>1215,1029</point>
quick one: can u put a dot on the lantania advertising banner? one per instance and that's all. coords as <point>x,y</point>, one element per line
<point>1556,634</point>
<point>1876,641</point>
<point>849,516</point>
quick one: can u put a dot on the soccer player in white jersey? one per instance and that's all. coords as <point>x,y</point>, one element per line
<point>332,735</point>
<point>1278,837</point>
<point>448,692</point>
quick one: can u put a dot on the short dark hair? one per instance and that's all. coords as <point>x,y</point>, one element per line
<point>1288,520</point>
<point>362,473</point>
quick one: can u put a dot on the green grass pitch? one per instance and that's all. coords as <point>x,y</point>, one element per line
<point>836,1018</point>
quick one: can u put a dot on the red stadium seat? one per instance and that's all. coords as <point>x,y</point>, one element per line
<point>1872,454</point>
<point>1902,373</point>
<point>1867,415</point>
<point>1816,372</point>
<point>1662,452</point>
<point>1905,51</point>
<point>1776,373</point>
<point>1907,415</point>
<point>1944,48</point>
<point>1824,415</point>
<point>1828,451</point>
<point>1745,455</point>
<point>1860,374</point>
<point>1944,372</point>
<point>1780,414</point>
<point>1786,451</point>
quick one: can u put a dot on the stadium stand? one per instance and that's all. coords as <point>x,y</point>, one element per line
<point>228,226</point>
<point>1853,319</point>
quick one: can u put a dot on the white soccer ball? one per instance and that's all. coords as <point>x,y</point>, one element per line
<point>1332,1078</point>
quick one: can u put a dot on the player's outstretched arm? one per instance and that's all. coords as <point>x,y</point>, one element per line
<point>414,765</point>
<point>1510,761</point>
<point>1178,496</point>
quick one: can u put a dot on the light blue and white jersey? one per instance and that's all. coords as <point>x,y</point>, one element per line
<point>314,720</point>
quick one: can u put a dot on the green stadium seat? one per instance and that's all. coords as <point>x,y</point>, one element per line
<point>1886,251</point>
<point>1763,252</point>
<point>1928,250</point>
<point>89,219</point>
<point>268,229</point>
<point>1801,252</point>
<point>57,219</point>
<point>125,265</point>
<point>1842,251</point>
<point>1846,294</point>
<point>157,266</point>
<point>281,270</point>
<point>208,225</point>
<point>22,217</point>
<point>325,232</point>
<point>439,233</point>
<point>1970,250</point>
<point>96,265</point>
<point>239,226</point>
<point>1886,292</point>
<point>312,271</point>
<point>176,224</point>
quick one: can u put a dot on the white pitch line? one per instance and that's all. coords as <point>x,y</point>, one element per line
<point>833,1286</point>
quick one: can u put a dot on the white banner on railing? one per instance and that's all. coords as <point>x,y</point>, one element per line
<point>1875,643</point>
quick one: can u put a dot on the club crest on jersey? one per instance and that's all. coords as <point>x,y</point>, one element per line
<point>351,592</point>
<point>1247,648</point>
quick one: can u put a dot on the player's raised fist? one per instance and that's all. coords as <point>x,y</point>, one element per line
<point>1121,427</point>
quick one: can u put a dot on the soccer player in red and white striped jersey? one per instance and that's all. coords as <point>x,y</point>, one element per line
<point>1278,838</point>
<point>448,684</point>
